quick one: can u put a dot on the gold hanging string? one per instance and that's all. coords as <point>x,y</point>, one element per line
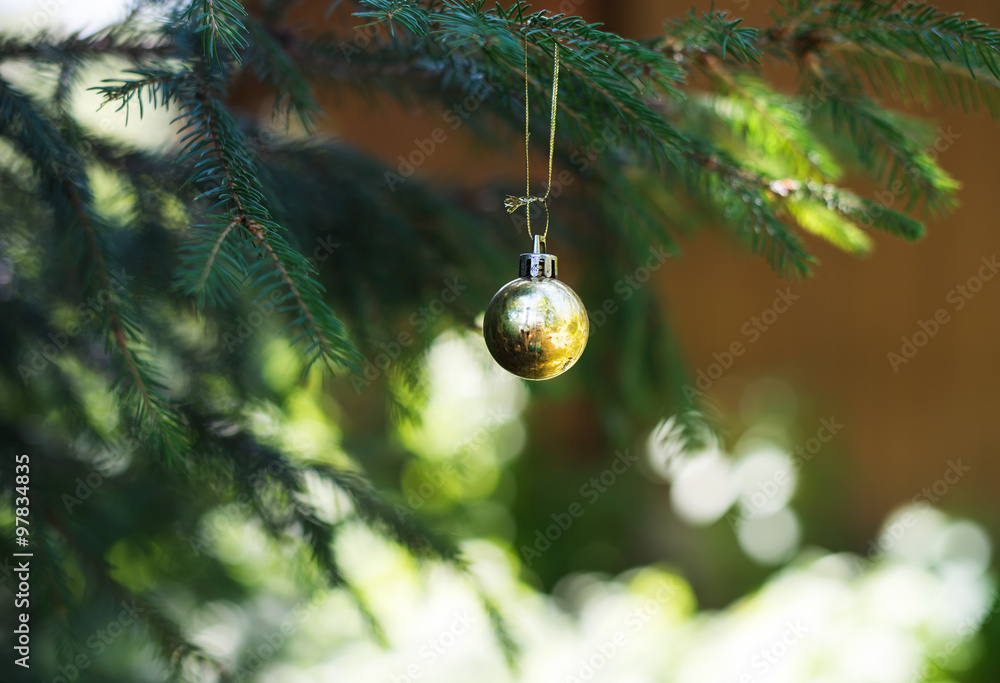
<point>512,202</point>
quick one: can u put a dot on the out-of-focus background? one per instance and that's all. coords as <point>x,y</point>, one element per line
<point>840,527</point>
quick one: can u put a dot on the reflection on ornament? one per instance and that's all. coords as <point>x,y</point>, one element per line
<point>536,327</point>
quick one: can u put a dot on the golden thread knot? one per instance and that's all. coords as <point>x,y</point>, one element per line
<point>513,203</point>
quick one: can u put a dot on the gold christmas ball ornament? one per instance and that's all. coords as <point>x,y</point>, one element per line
<point>536,327</point>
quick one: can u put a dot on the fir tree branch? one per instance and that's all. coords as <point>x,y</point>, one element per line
<point>639,119</point>
<point>860,210</point>
<point>150,408</point>
<point>219,21</point>
<point>250,464</point>
<point>610,96</point>
<point>213,254</point>
<point>695,37</point>
<point>320,538</point>
<point>212,132</point>
<point>916,78</point>
<point>161,86</point>
<point>408,14</point>
<point>267,57</point>
<point>44,146</point>
<point>248,458</point>
<point>78,48</point>
<point>915,50</point>
<point>222,161</point>
<point>378,514</point>
<point>174,646</point>
<point>881,144</point>
<point>917,29</point>
<point>769,123</point>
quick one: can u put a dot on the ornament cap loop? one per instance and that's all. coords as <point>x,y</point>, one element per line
<point>538,263</point>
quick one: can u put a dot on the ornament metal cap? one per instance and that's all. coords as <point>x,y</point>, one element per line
<point>538,263</point>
